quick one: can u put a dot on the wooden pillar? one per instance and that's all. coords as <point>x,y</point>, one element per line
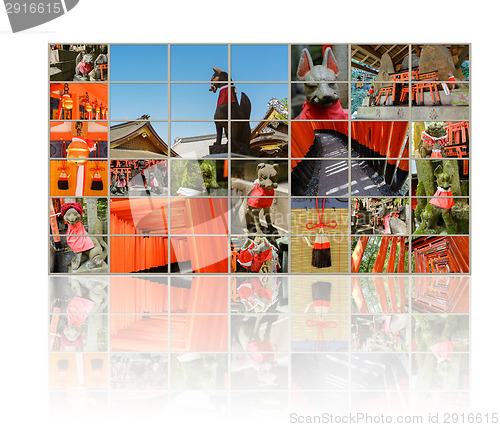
<point>392,294</point>
<point>358,252</point>
<point>396,142</point>
<point>402,255</point>
<point>358,296</point>
<point>378,267</point>
<point>382,295</point>
<point>402,297</point>
<point>392,255</point>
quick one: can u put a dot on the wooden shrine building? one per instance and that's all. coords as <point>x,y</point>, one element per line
<point>136,139</point>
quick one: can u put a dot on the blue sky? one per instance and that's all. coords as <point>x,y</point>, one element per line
<point>135,63</point>
<point>189,101</point>
<point>194,101</point>
<point>259,62</point>
<point>129,101</point>
<point>195,62</point>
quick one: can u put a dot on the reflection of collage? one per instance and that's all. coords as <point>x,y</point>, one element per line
<point>261,333</point>
<point>269,218</point>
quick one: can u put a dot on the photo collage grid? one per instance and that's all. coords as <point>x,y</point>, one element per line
<point>279,223</point>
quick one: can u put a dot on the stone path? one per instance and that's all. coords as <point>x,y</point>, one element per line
<point>332,146</point>
<point>333,175</point>
<point>362,182</point>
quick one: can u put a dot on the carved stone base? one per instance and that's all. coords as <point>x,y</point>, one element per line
<point>84,269</point>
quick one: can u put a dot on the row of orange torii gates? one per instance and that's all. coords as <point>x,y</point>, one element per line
<point>430,294</point>
<point>385,141</point>
<point>432,254</point>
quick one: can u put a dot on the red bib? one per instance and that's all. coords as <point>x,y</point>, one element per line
<point>223,97</point>
<point>84,67</point>
<point>440,201</point>
<point>78,240</point>
<point>315,112</point>
<point>260,197</point>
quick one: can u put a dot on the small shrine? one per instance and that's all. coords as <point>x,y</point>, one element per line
<point>430,78</point>
<point>78,62</point>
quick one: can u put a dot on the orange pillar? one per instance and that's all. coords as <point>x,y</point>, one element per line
<point>358,296</point>
<point>402,254</point>
<point>378,267</point>
<point>357,254</point>
<point>392,255</point>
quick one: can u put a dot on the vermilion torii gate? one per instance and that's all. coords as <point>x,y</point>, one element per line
<point>441,254</point>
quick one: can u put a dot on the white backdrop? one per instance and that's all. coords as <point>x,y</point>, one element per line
<point>23,115</point>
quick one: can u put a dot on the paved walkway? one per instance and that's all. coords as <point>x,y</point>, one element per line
<point>333,175</point>
<point>332,146</point>
<point>363,183</point>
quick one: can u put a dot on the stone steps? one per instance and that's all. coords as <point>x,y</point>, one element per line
<point>62,65</point>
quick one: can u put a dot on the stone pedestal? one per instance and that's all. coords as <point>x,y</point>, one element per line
<point>217,149</point>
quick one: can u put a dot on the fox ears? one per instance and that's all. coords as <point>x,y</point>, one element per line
<point>306,63</point>
<point>329,61</point>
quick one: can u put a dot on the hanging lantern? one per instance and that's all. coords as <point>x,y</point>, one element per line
<point>88,107</point>
<point>79,148</point>
<point>65,103</point>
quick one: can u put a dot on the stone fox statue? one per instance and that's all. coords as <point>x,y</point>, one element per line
<point>89,251</point>
<point>440,205</point>
<point>86,66</point>
<point>261,198</point>
<point>240,131</point>
<point>322,92</point>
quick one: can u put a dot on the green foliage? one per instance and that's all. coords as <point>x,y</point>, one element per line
<point>284,117</point>
<point>371,296</point>
<point>357,96</point>
<point>371,252</point>
<point>198,175</point>
<point>356,72</point>
<point>102,209</point>
<point>465,69</point>
<point>197,374</point>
